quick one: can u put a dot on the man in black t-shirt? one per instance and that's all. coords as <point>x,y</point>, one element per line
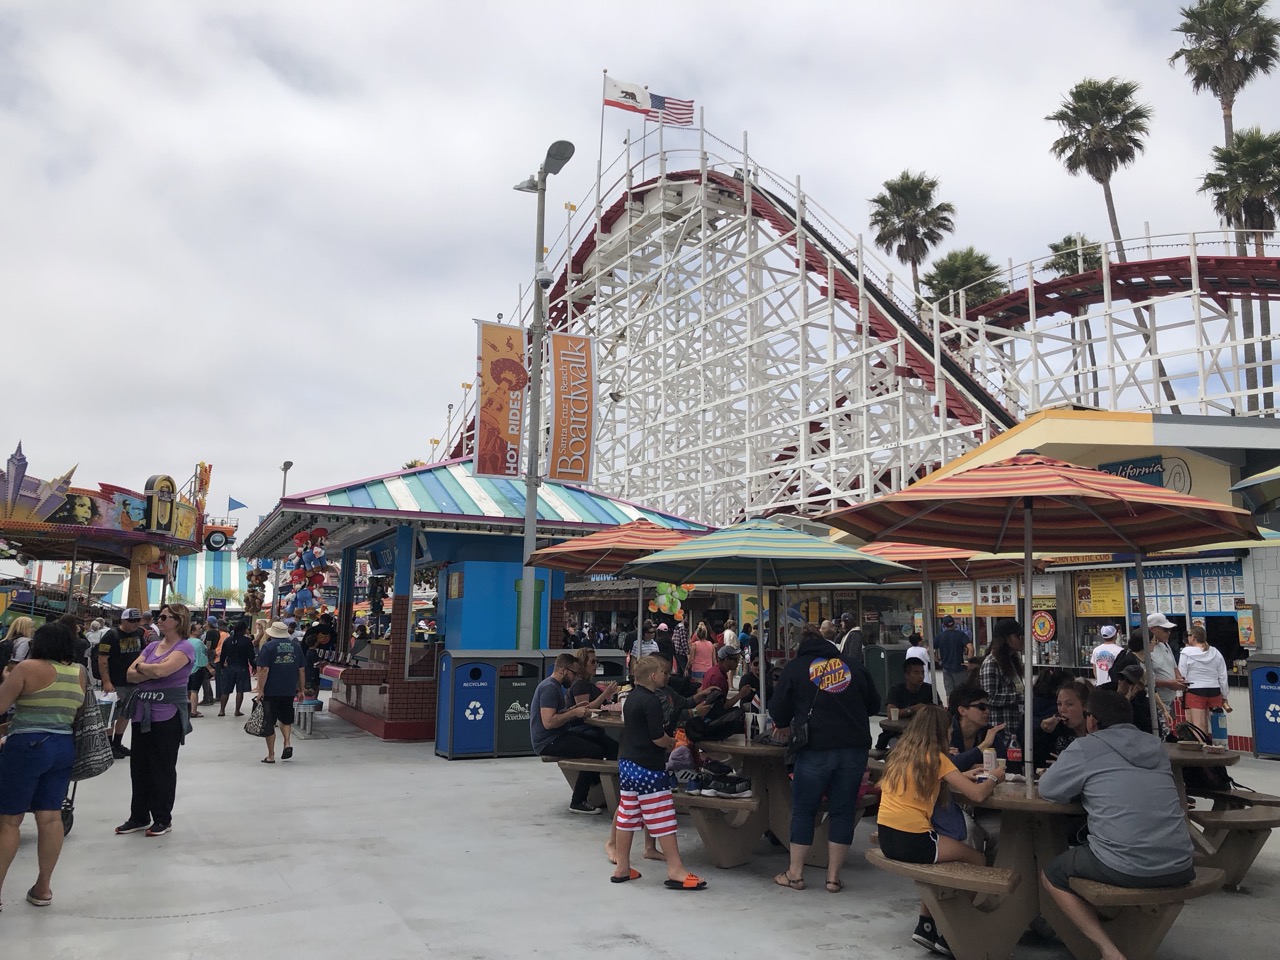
<point>117,649</point>
<point>908,696</point>
<point>319,640</point>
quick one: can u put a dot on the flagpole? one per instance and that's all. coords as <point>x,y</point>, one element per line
<point>604,74</point>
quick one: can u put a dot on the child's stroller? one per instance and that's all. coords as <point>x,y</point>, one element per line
<point>69,804</point>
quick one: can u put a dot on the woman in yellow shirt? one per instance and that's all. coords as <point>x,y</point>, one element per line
<point>917,773</point>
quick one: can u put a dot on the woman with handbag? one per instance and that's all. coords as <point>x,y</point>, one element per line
<point>158,710</point>
<point>47,691</point>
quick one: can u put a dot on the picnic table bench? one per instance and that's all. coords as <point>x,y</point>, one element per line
<point>1233,839</point>
<point>606,792</point>
<point>729,828</point>
<point>1237,799</point>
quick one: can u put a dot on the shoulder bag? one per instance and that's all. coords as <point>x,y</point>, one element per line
<point>93,743</point>
<point>258,725</point>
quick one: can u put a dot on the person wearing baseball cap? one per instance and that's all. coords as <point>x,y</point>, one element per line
<point>1169,682</point>
<point>1104,654</point>
<point>117,649</point>
<point>954,649</point>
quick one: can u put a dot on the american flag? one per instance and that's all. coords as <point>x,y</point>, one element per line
<point>669,110</point>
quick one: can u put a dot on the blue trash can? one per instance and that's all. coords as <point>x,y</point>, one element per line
<point>1264,691</point>
<point>466,704</point>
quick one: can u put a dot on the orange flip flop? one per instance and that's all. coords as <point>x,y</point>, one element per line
<point>633,875</point>
<point>690,882</point>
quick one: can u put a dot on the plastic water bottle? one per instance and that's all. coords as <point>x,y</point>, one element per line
<point>1218,726</point>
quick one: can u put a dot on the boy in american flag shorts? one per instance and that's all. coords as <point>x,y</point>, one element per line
<point>644,786</point>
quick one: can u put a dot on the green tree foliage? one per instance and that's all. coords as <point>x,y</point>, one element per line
<point>1074,254</point>
<point>909,221</point>
<point>969,270</point>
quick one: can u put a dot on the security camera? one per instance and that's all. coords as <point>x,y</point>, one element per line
<point>544,277</point>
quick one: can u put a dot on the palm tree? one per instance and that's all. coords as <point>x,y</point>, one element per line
<point>1245,186</point>
<point>1228,43</point>
<point>1071,255</point>
<point>969,270</point>
<point>907,220</point>
<point>1103,129</point>
<point>1074,253</point>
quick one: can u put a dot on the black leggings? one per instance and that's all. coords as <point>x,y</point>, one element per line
<point>581,745</point>
<point>153,768</point>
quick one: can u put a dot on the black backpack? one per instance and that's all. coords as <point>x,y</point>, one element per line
<point>1201,781</point>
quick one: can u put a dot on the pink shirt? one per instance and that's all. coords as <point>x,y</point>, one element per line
<point>701,656</point>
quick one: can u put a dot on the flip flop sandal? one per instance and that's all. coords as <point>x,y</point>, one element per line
<point>690,882</point>
<point>286,753</point>
<point>38,901</point>
<point>835,886</point>
<point>633,875</point>
<point>268,760</point>
<point>783,880</point>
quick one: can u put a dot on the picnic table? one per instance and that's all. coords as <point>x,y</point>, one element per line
<point>1228,839</point>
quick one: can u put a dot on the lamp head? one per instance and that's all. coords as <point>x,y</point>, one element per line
<point>558,154</point>
<point>528,185</point>
<point>287,466</point>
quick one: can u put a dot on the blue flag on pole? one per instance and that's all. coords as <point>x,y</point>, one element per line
<point>234,504</point>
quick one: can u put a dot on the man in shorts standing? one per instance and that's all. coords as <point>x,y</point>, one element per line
<point>117,650</point>
<point>1137,831</point>
<point>281,676</point>
<point>236,662</point>
<point>954,649</point>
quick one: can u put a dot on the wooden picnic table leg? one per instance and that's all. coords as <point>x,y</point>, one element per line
<point>728,839</point>
<point>1138,932</point>
<point>1050,840</point>
<point>1198,840</point>
<point>609,787</point>
<point>1232,852</point>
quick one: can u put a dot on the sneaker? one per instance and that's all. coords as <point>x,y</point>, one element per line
<point>130,826</point>
<point>734,788</point>
<point>694,785</point>
<point>710,786</point>
<point>585,808</point>
<point>119,751</point>
<point>159,829</point>
<point>927,935</point>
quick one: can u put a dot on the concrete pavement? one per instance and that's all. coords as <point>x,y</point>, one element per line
<point>359,848</point>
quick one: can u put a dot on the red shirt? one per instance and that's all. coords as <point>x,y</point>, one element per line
<point>715,677</point>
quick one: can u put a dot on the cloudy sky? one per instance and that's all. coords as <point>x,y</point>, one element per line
<point>249,232</point>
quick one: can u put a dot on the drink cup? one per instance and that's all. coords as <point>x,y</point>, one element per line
<point>893,713</point>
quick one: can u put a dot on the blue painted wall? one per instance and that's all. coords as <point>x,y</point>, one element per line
<point>487,615</point>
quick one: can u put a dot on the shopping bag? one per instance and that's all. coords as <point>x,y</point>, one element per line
<point>258,724</point>
<point>93,743</point>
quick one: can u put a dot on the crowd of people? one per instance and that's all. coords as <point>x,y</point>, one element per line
<point>152,669</point>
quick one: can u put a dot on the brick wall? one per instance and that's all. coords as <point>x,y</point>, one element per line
<point>555,639</point>
<point>1266,593</point>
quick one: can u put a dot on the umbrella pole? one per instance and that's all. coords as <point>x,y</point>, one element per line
<point>764,659</point>
<point>1146,643</point>
<point>926,622</point>
<point>1028,720</point>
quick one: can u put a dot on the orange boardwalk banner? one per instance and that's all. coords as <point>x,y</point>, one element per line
<point>500,404</point>
<point>573,407</point>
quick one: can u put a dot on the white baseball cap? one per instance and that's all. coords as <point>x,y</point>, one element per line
<point>1108,632</point>
<point>1160,620</point>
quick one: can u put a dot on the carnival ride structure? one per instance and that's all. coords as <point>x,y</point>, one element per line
<point>754,356</point>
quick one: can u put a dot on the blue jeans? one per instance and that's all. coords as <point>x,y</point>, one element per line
<point>35,770</point>
<point>838,774</point>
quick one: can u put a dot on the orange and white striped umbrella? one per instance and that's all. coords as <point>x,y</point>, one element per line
<point>609,550</point>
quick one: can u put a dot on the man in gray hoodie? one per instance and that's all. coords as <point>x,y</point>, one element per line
<point>1138,834</point>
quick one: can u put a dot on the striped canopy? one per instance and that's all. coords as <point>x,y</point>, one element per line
<point>608,550</point>
<point>943,561</point>
<point>1074,509</point>
<point>763,552</point>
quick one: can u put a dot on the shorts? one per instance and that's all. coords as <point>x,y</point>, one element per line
<point>196,680</point>
<point>1080,862</point>
<point>908,847</point>
<point>1198,701</point>
<point>35,771</point>
<point>234,680</point>
<point>644,798</point>
<point>279,710</point>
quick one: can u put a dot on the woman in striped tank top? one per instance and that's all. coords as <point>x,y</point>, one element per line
<point>46,691</point>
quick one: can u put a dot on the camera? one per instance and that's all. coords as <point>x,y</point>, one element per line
<point>543,276</point>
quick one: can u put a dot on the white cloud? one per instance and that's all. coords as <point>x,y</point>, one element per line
<point>246,232</point>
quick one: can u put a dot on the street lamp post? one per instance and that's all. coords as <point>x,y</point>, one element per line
<point>558,154</point>
<point>279,564</point>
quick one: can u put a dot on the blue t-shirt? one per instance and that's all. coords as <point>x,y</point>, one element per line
<point>951,643</point>
<point>283,658</point>
<point>549,693</point>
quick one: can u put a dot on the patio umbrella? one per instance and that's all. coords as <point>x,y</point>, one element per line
<point>608,550</point>
<point>1261,491</point>
<point>1052,505</point>
<point>764,553</point>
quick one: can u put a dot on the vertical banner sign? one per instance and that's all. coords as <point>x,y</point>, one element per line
<point>500,403</point>
<point>573,407</point>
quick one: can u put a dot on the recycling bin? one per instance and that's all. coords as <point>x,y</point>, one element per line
<point>611,666</point>
<point>885,666</point>
<point>466,703</point>
<point>1264,690</point>
<point>518,677</point>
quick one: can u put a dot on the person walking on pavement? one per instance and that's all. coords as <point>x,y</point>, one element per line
<point>954,649</point>
<point>158,710</point>
<point>117,650</point>
<point>237,663</point>
<point>282,675</point>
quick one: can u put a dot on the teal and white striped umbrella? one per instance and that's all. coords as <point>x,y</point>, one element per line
<point>764,553</point>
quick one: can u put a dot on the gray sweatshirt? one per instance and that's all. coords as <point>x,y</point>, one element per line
<point>1124,780</point>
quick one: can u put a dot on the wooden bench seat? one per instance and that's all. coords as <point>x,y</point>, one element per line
<point>954,876</point>
<point>687,801</point>
<point>606,792</point>
<point>1105,895</point>
<point>1234,799</point>
<point>1233,839</point>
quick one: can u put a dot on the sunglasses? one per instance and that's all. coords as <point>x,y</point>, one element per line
<point>166,616</point>
<point>979,706</point>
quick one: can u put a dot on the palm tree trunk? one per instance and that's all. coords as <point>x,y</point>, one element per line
<point>915,282</point>
<point>1161,373</point>
<point>1246,306</point>
<point>1228,122</point>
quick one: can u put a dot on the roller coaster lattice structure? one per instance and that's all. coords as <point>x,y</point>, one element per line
<point>755,357</point>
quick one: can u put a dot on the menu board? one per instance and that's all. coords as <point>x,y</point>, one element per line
<point>1099,593</point>
<point>1216,587</point>
<point>954,597</point>
<point>997,597</point>
<point>1165,587</point>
